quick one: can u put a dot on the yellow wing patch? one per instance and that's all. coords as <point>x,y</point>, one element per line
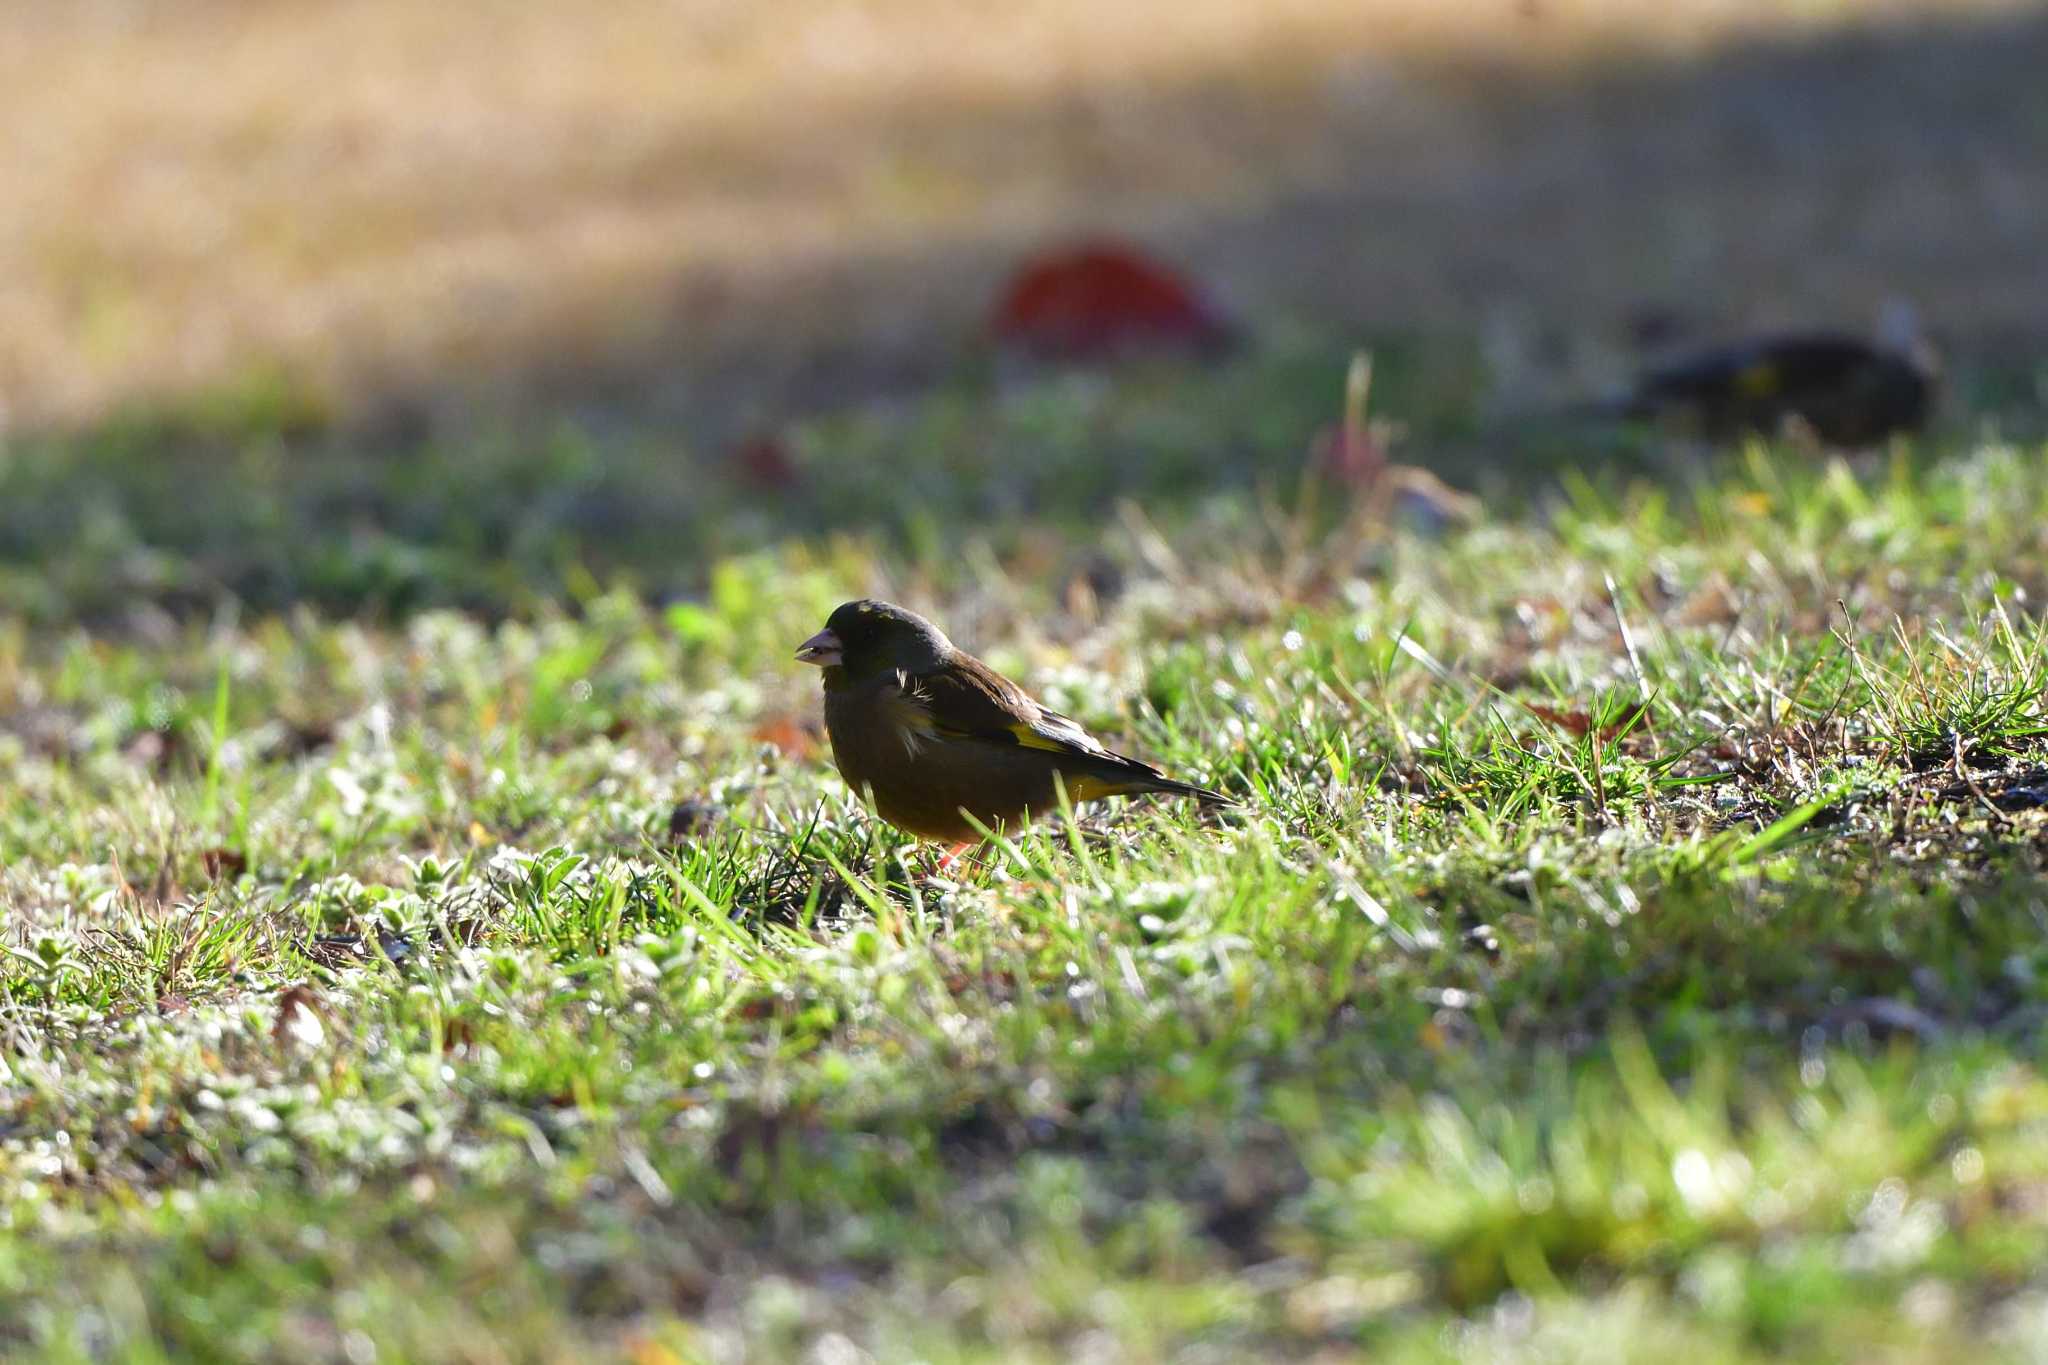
<point>1032,738</point>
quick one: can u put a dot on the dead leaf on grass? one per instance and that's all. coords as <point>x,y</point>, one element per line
<point>1103,300</point>
<point>794,736</point>
<point>299,1021</point>
<point>223,864</point>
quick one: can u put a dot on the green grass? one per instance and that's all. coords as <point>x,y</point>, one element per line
<point>1631,943</point>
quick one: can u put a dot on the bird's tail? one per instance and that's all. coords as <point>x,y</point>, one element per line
<point>1116,775</point>
<point>1167,786</point>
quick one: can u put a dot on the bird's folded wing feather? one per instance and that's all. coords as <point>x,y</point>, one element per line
<point>972,701</point>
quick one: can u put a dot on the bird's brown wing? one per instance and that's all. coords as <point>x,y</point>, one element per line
<point>967,701</point>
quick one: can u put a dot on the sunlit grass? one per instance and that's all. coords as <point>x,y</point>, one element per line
<point>1630,940</point>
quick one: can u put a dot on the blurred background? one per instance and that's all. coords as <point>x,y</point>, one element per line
<point>371,303</point>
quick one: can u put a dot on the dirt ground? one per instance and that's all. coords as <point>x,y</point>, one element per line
<point>721,206</point>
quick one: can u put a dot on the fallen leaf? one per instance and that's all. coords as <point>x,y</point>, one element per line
<point>458,1035</point>
<point>161,891</point>
<point>1713,604</point>
<point>793,735</point>
<point>222,864</point>
<point>1099,300</point>
<point>647,1351</point>
<point>154,749</point>
<point>693,818</point>
<point>1580,723</point>
<point>298,1020</point>
<point>764,461</point>
<point>304,737</point>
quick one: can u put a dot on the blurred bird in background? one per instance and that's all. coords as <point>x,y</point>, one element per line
<point>1847,391</point>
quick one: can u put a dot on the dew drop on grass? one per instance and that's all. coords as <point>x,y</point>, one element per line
<point>1693,1175</point>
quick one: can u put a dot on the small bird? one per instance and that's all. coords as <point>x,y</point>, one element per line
<point>934,736</point>
<point>1848,391</point>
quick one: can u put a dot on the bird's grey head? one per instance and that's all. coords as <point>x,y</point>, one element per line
<point>868,637</point>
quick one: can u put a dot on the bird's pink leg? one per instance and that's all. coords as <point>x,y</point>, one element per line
<point>953,852</point>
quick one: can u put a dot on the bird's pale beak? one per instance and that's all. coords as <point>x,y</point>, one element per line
<point>821,649</point>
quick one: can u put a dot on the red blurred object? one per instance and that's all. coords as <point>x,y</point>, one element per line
<point>793,735</point>
<point>1103,299</point>
<point>223,864</point>
<point>764,461</point>
<point>1354,456</point>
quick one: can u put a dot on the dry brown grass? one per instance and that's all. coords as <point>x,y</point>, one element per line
<point>396,198</point>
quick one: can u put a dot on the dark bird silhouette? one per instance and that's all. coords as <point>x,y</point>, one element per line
<point>1848,391</point>
<point>932,735</point>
